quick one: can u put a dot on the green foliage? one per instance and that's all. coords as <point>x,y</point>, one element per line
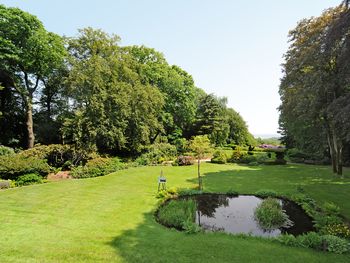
<point>164,195</point>
<point>288,239</point>
<point>336,244</point>
<point>57,155</point>
<point>270,215</point>
<point>201,146</point>
<point>340,230</point>
<point>29,53</point>
<point>13,166</point>
<point>97,167</point>
<point>184,160</point>
<point>310,240</point>
<point>331,208</point>
<point>28,179</point>
<point>316,241</point>
<point>191,228</point>
<point>157,153</point>
<point>6,150</point>
<point>176,213</point>
<point>231,192</point>
<point>266,193</point>
<point>295,155</point>
<point>219,157</point>
<point>186,192</point>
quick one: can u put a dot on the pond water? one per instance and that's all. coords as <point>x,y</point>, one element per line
<point>218,212</point>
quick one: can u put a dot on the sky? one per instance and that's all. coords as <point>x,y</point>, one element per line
<point>232,48</point>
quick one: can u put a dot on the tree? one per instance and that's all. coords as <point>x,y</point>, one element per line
<point>238,131</point>
<point>201,146</point>
<point>113,110</point>
<point>316,75</point>
<point>176,85</point>
<point>28,54</point>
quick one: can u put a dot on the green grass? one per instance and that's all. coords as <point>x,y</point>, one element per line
<point>176,212</point>
<point>111,218</point>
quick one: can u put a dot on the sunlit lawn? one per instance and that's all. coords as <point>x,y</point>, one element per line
<point>110,219</point>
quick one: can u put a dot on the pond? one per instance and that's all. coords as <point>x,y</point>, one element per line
<point>218,212</point>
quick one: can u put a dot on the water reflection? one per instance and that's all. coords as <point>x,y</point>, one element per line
<point>236,215</point>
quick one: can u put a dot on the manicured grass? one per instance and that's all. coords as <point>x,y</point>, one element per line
<point>110,218</point>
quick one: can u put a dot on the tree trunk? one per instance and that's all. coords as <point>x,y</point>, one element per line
<point>338,153</point>
<point>29,123</point>
<point>332,152</point>
<point>199,175</point>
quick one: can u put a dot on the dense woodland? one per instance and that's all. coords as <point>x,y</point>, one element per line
<point>93,93</point>
<point>315,89</point>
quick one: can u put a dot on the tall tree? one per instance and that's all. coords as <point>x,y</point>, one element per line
<point>28,54</point>
<point>112,109</point>
<point>315,77</point>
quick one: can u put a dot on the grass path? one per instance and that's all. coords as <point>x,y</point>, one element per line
<point>110,218</point>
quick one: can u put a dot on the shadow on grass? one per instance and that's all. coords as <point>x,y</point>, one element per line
<point>151,242</point>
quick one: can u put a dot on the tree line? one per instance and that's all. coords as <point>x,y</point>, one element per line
<point>315,88</point>
<point>90,91</point>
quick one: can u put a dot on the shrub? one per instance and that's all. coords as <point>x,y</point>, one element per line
<point>288,240</point>
<point>219,157</point>
<point>176,213</point>
<point>6,150</point>
<point>57,155</point>
<point>340,230</point>
<point>28,179</point>
<point>184,160</point>
<point>185,192</point>
<point>13,166</point>
<point>232,192</point>
<point>310,240</point>
<point>331,208</point>
<point>270,215</point>
<point>157,153</point>
<point>336,244</point>
<point>191,227</point>
<point>97,167</point>
<point>296,155</point>
<point>266,193</point>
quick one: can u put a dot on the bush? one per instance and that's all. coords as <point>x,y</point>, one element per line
<point>335,244</point>
<point>177,213</point>
<point>97,167</point>
<point>310,240</point>
<point>270,215</point>
<point>288,240</point>
<point>331,208</point>
<point>316,241</point>
<point>185,160</point>
<point>13,166</point>
<point>6,150</point>
<point>266,193</point>
<point>28,179</point>
<point>191,227</point>
<point>232,192</point>
<point>339,230</point>
<point>157,153</point>
<point>57,155</point>
<point>219,157</point>
<point>296,155</point>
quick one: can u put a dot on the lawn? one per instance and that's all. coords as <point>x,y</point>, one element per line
<point>110,218</point>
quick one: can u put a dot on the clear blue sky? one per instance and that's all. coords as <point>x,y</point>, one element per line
<point>232,48</point>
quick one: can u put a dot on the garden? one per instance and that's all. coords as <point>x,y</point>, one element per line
<point>118,217</point>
